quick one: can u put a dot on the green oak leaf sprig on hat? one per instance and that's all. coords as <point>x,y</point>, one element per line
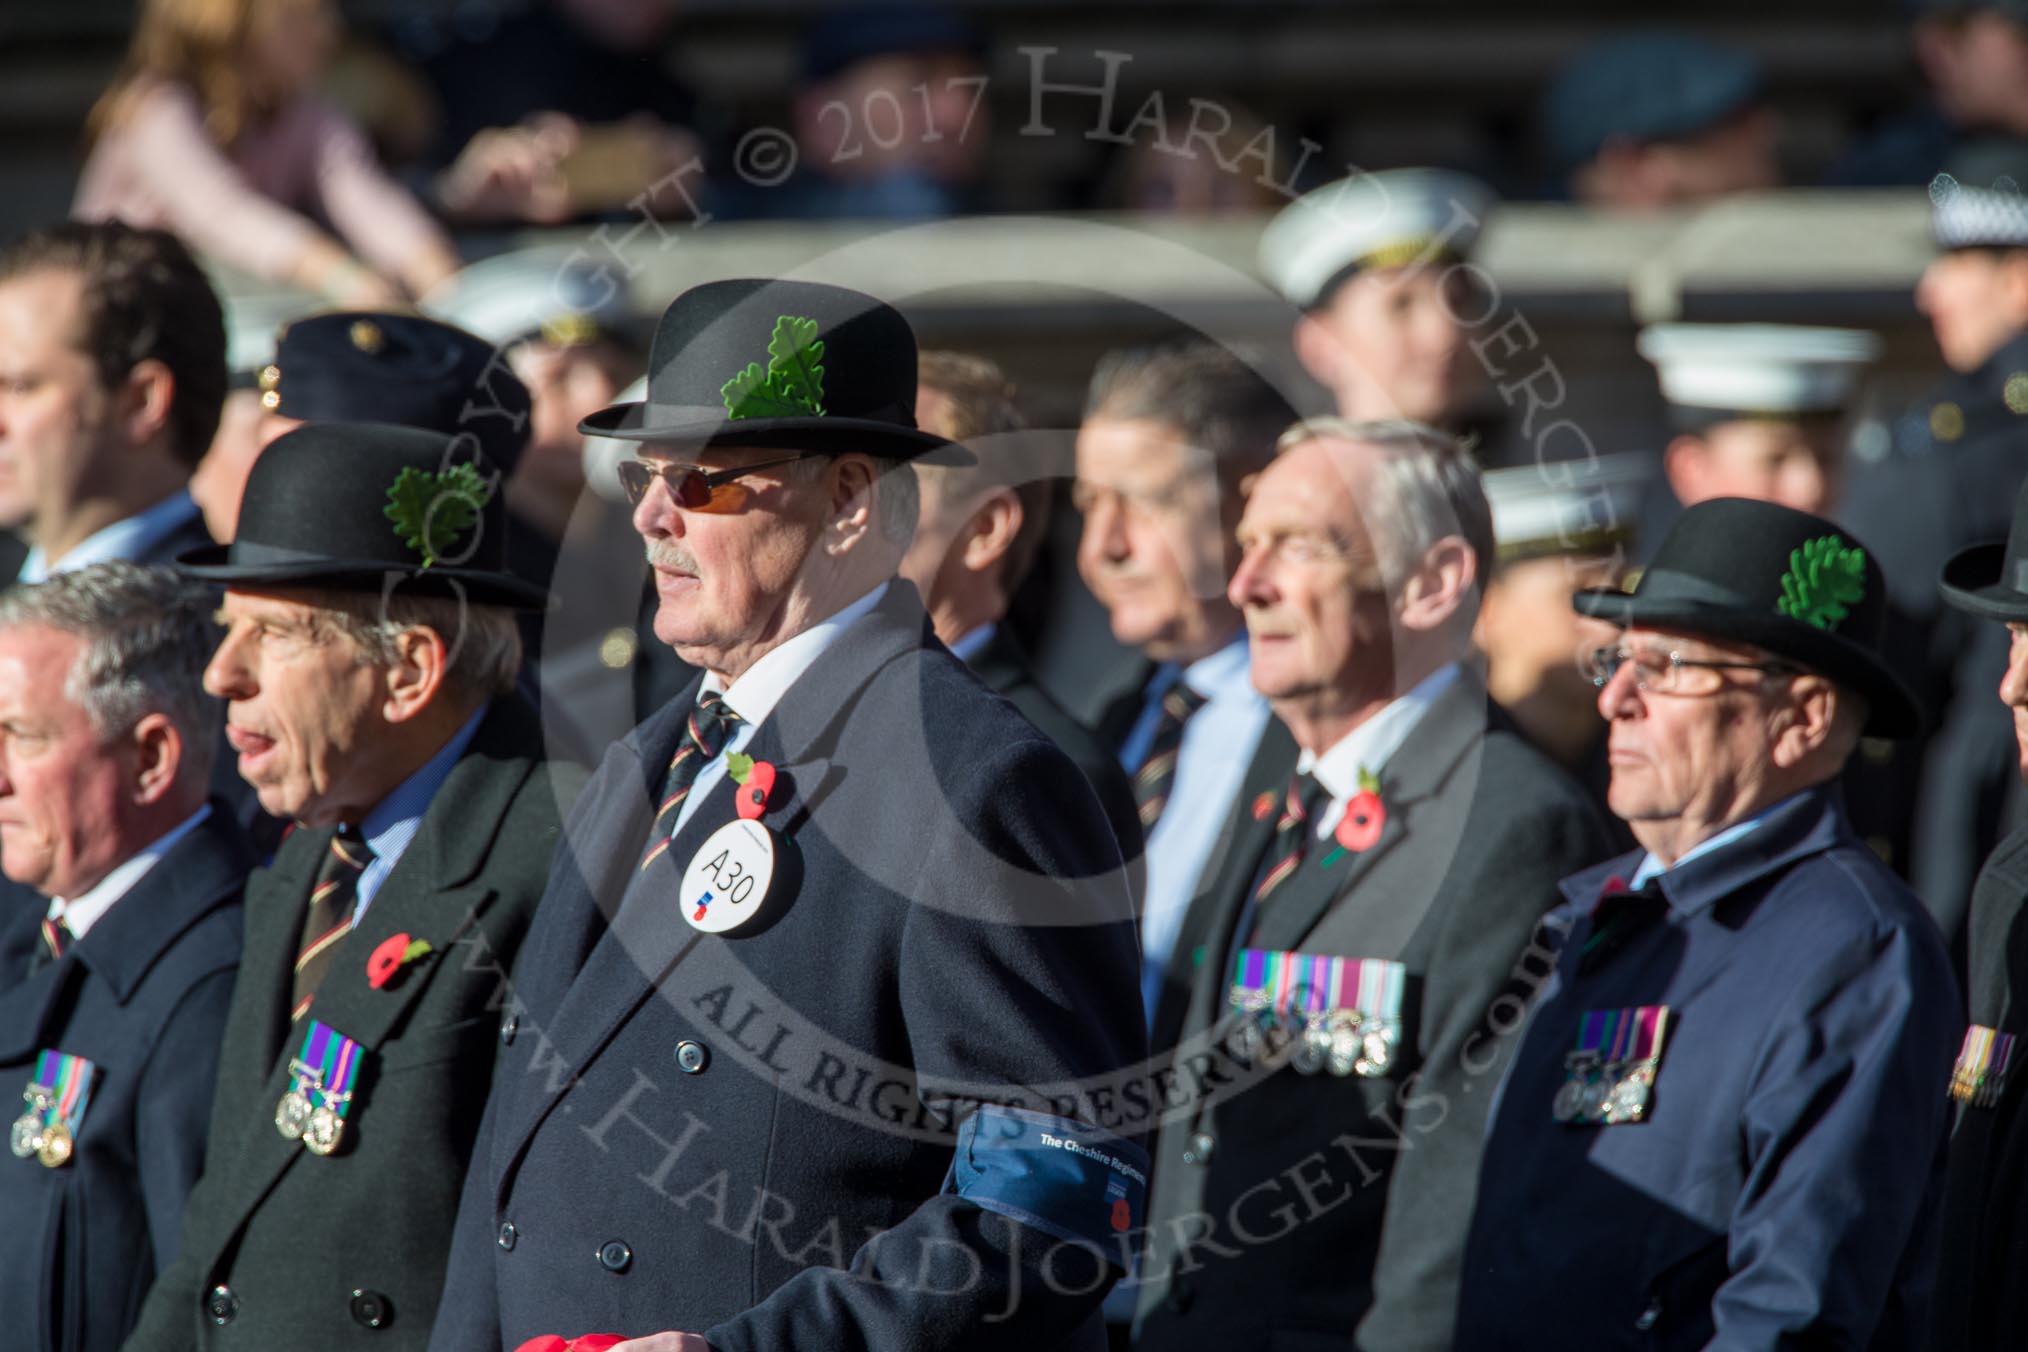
<point>792,383</point>
<point>430,511</point>
<point>1824,579</point>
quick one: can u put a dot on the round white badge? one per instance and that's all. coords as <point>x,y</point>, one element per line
<point>726,882</point>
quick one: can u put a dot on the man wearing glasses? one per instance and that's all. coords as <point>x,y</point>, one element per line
<point>1723,1125</point>
<point>813,1044</point>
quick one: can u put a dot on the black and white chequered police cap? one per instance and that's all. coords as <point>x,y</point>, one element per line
<point>1967,215</point>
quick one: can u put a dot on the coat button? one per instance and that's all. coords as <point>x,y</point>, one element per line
<point>508,1234</point>
<point>222,1306</point>
<point>510,1024</point>
<point>370,1309</point>
<point>1649,1316</point>
<point>692,1057</point>
<point>1199,1149</point>
<point>615,1256</point>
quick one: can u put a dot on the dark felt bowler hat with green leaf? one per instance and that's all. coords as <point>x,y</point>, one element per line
<point>352,505</point>
<point>778,364</point>
<point>1786,581</point>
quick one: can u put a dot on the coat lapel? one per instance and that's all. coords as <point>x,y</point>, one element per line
<point>646,938</point>
<point>1450,730</point>
<point>431,894</point>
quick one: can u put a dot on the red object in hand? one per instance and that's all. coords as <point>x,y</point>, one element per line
<point>1359,829</point>
<point>594,1342</point>
<point>753,798</point>
<point>547,1342</point>
<point>385,961</point>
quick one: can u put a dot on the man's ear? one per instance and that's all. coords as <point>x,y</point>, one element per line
<point>158,747</point>
<point>1440,587</point>
<point>851,479</point>
<point>1686,464</point>
<point>1807,723</point>
<point>989,532</point>
<point>422,661</point>
<point>142,401</point>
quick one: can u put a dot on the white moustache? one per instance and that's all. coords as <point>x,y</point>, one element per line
<point>664,554</point>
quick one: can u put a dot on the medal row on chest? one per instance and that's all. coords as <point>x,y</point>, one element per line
<point>1342,1015</point>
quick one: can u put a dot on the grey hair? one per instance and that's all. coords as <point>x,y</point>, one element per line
<point>1426,487</point>
<point>148,635</point>
<point>484,641</point>
<point>1213,395</point>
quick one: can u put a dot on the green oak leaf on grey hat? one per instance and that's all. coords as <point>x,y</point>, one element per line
<point>1787,582</point>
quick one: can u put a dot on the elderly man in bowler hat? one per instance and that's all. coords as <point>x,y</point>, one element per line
<point>368,670</point>
<point>837,944</point>
<point>1723,1125</point>
<point>1980,1302</point>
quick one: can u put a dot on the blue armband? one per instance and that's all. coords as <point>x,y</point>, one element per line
<point>1061,1177</point>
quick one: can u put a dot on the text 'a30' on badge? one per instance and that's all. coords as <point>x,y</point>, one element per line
<point>727,883</point>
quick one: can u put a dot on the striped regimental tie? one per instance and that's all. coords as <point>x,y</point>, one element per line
<point>1157,775</point>
<point>709,729</point>
<point>56,940</point>
<point>329,917</point>
<point>1292,836</point>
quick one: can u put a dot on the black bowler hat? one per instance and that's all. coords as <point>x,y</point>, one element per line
<point>347,505</point>
<point>1992,579</point>
<point>786,365</point>
<point>365,366</point>
<point>1786,581</point>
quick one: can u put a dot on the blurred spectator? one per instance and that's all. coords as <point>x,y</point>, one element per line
<point>112,373</point>
<point>891,121</point>
<point>1974,60</point>
<point>978,530</point>
<point>212,131</point>
<point>1760,412</point>
<point>1556,534</point>
<point>551,110</point>
<point>1949,482</point>
<point>565,330</point>
<point>1660,119</point>
<point>1175,170</point>
<point>1372,263</point>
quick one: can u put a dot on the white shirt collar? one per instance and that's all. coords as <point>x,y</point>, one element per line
<point>756,693</point>
<point>1372,743</point>
<point>84,912</point>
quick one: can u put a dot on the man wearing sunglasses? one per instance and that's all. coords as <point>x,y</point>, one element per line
<point>813,1042</point>
<point>1728,1107</point>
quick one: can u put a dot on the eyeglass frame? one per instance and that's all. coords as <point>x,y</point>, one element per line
<point>665,470</point>
<point>1677,662</point>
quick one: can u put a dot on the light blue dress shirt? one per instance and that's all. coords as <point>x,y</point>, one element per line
<point>1651,866</point>
<point>1218,746</point>
<point>391,826</point>
<point>127,538</point>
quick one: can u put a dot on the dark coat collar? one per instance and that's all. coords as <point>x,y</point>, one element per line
<point>201,872</point>
<point>1804,824</point>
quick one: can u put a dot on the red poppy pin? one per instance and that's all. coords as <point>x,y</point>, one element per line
<point>1263,805</point>
<point>1365,817</point>
<point>1123,1214</point>
<point>756,780</point>
<point>395,952</point>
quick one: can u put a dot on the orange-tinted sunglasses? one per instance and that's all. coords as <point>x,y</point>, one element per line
<point>692,487</point>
